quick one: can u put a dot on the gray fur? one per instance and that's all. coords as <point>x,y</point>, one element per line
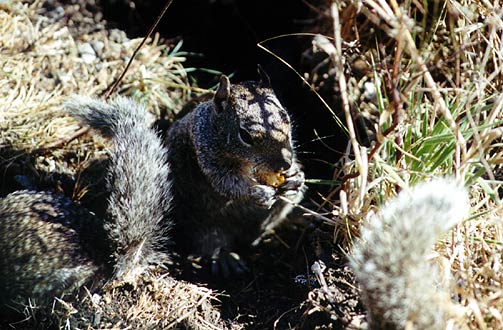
<point>399,286</point>
<point>218,202</point>
<point>49,247</point>
<point>137,180</point>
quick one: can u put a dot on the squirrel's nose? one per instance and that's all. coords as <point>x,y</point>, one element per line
<point>282,164</point>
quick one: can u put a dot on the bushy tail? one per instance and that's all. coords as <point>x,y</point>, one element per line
<point>399,287</point>
<point>140,193</point>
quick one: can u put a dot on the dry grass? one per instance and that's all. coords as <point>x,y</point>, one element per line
<point>46,56</point>
<point>44,59</point>
<point>155,302</point>
<point>436,111</point>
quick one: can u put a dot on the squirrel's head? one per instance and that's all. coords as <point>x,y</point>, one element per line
<point>253,125</point>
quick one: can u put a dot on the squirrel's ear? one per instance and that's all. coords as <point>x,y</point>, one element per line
<point>265,81</point>
<point>222,94</point>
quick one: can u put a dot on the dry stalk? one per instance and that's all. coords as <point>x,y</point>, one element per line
<point>142,43</point>
<point>338,62</point>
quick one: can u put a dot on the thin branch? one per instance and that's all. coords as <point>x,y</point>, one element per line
<point>150,31</point>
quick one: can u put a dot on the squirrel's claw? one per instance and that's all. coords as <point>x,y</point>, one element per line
<point>294,183</point>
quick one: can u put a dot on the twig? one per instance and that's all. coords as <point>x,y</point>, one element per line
<point>318,267</point>
<point>360,153</point>
<point>305,209</point>
<point>62,141</point>
<point>150,31</point>
<point>397,102</point>
<point>337,59</point>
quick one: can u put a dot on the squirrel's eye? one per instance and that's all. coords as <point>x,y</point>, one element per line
<point>245,136</point>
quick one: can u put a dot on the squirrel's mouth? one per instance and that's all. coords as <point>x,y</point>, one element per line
<point>268,178</point>
<point>273,179</point>
<point>264,176</point>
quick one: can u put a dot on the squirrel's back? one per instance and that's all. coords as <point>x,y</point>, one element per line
<point>49,247</point>
<point>399,287</point>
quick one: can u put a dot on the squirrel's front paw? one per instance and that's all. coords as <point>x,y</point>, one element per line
<point>294,183</point>
<point>264,196</point>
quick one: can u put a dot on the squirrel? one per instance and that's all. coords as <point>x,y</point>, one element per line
<point>51,247</point>
<point>399,287</point>
<point>220,178</point>
<point>234,172</point>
